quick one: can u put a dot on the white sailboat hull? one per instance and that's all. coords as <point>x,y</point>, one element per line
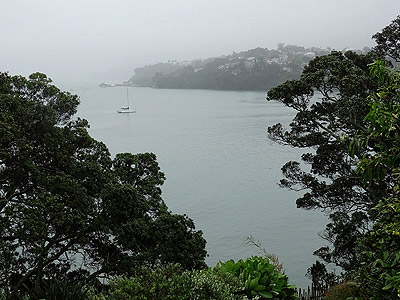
<point>125,110</point>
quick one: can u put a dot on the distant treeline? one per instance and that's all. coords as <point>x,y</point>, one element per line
<point>255,69</point>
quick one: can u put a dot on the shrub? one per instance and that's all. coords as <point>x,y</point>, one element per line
<point>379,274</point>
<point>255,278</point>
<point>50,291</point>
<point>259,278</point>
<point>342,291</point>
<point>172,283</point>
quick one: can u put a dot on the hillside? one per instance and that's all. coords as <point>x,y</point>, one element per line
<point>255,69</point>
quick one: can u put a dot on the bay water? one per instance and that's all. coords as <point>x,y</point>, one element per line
<point>221,168</point>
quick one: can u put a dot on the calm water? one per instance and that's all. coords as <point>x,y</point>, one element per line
<point>221,168</point>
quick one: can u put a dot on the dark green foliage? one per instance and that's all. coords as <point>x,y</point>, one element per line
<point>382,137</point>
<point>320,277</point>
<point>259,278</point>
<point>171,282</point>
<point>343,291</point>
<point>379,274</point>
<point>68,211</point>
<point>327,124</point>
<point>379,249</point>
<point>53,291</point>
<point>331,101</point>
<point>388,40</point>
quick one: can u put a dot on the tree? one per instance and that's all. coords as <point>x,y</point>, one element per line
<point>388,40</point>
<point>331,101</point>
<point>69,211</point>
<point>379,249</point>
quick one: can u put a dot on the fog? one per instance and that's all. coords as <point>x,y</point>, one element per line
<point>107,39</point>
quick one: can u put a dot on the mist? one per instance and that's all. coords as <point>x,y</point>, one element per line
<point>105,40</point>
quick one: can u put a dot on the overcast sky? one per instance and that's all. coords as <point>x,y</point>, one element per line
<point>72,38</point>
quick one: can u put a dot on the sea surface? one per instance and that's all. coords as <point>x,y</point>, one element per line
<point>221,168</point>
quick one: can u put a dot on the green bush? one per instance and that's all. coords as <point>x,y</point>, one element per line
<point>342,291</point>
<point>50,291</point>
<point>259,278</point>
<point>255,278</point>
<point>172,283</point>
<point>379,274</point>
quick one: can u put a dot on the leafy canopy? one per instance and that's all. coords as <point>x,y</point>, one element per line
<point>68,211</point>
<point>331,100</point>
<point>260,278</point>
<point>388,40</point>
<point>379,249</point>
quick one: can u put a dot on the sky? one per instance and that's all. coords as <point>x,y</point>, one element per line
<point>107,39</point>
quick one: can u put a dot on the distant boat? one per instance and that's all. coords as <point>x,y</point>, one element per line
<point>105,84</point>
<point>126,109</point>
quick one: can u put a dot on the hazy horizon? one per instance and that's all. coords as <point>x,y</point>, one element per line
<point>72,40</point>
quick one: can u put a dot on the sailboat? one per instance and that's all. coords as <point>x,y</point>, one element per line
<point>127,108</point>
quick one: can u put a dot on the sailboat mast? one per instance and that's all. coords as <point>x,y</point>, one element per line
<point>127,96</point>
